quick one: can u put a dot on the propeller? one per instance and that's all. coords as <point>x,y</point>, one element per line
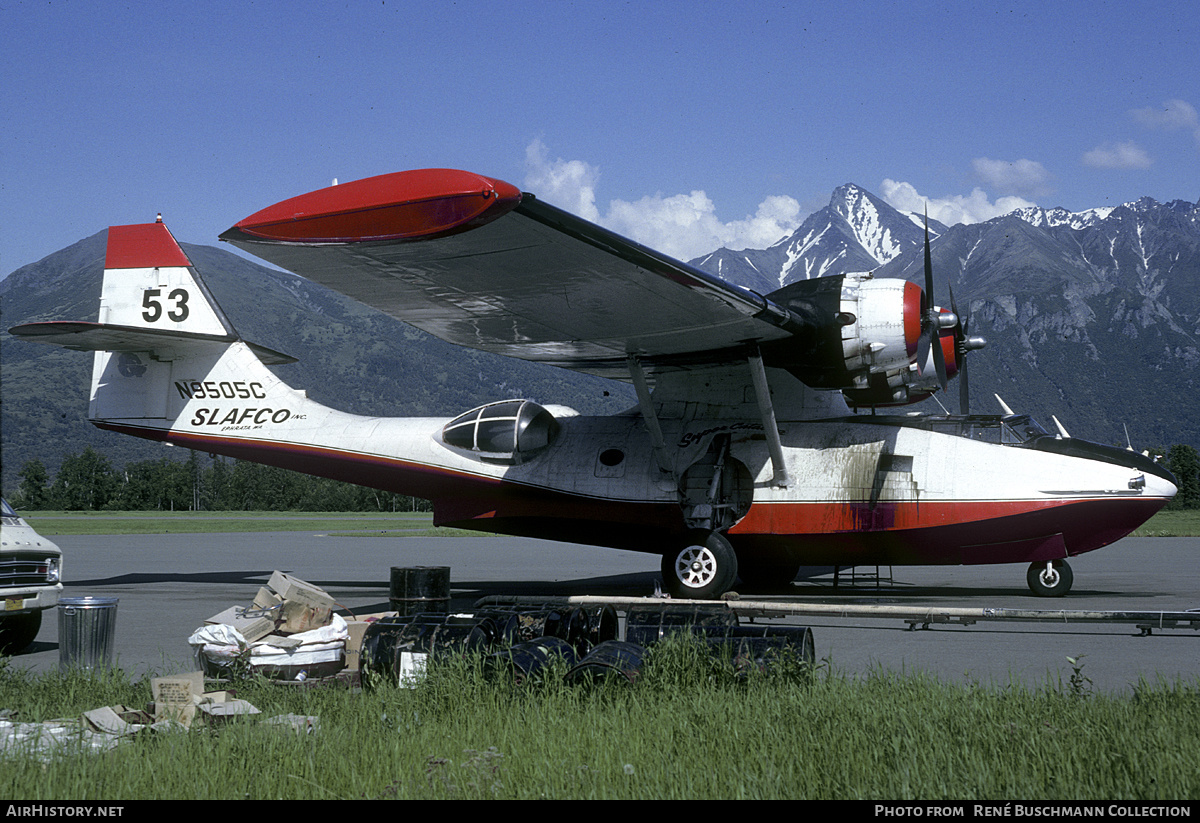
<point>963,344</point>
<point>932,324</point>
<point>932,321</point>
<point>960,351</point>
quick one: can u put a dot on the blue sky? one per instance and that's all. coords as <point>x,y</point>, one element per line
<point>684,125</point>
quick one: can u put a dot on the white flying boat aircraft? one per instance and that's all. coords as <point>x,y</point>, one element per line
<point>742,458</point>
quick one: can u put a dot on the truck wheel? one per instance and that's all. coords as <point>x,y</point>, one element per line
<point>18,631</point>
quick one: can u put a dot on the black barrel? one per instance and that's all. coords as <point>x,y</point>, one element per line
<point>397,648</point>
<point>611,660</point>
<point>420,589</point>
<point>602,624</point>
<point>528,658</point>
<point>763,647</point>
<point>646,625</point>
<point>582,626</point>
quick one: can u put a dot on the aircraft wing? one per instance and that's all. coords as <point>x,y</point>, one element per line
<point>475,262</point>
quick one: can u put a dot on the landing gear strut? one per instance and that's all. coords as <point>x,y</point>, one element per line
<point>703,568</point>
<point>1050,579</point>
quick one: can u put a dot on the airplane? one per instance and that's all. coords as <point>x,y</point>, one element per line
<point>744,456</point>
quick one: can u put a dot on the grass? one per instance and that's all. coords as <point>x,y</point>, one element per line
<point>687,729</point>
<point>1182,523</point>
<point>1178,523</point>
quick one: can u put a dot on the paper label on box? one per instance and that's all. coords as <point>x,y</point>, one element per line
<point>175,697</point>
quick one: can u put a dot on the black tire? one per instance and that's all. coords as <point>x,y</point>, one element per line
<point>703,568</point>
<point>768,574</point>
<point>17,632</point>
<point>1053,582</point>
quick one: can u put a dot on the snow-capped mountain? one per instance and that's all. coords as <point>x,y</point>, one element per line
<point>1092,316</point>
<point>856,232</point>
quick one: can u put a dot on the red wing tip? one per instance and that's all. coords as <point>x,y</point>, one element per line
<point>143,246</point>
<point>406,205</point>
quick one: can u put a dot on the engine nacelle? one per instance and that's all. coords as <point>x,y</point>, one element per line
<point>863,336</point>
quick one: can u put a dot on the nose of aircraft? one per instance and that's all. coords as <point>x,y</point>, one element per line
<point>1159,486</point>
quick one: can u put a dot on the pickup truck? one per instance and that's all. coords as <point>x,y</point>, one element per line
<point>30,580</point>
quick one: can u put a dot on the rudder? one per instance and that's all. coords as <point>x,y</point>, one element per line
<point>149,283</point>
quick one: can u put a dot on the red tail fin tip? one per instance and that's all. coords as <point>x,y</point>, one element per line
<point>143,246</point>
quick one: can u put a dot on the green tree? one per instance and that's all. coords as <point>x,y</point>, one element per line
<point>1184,463</point>
<point>34,490</point>
<point>149,485</point>
<point>85,482</point>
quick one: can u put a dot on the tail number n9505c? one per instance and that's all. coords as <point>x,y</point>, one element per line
<point>154,308</point>
<point>213,390</point>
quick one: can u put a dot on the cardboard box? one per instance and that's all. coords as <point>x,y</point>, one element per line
<point>250,627</point>
<point>266,599</point>
<point>296,590</point>
<point>175,698</point>
<point>298,616</point>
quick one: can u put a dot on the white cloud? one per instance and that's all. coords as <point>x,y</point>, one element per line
<point>684,226</point>
<point>1172,115</point>
<point>972,208</point>
<point>568,184</point>
<point>1022,177</point>
<point>1127,155</point>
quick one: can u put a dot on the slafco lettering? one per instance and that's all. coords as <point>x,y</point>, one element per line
<point>214,390</point>
<point>238,417</point>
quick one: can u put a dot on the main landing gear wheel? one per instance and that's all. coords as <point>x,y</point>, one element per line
<point>703,568</point>
<point>17,632</point>
<point>1052,579</point>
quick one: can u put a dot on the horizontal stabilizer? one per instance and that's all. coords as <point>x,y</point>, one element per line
<point>87,336</point>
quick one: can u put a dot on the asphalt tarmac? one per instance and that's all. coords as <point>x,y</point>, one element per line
<point>168,584</point>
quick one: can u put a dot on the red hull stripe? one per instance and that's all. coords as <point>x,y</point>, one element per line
<point>143,246</point>
<point>859,515</point>
<point>406,205</point>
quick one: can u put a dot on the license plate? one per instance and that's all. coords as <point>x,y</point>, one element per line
<point>13,604</point>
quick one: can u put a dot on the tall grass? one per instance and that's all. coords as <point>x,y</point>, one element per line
<point>690,727</point>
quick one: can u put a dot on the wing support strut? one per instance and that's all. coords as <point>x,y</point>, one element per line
<point>648,414</point>
<point>762,392</point>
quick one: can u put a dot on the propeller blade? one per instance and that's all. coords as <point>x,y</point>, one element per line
<point>964,393</point>
<point>960,352</point>
<point>932,324</point>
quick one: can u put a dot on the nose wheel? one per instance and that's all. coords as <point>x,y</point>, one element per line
<point>1050,579</point>
<point>703,568</point>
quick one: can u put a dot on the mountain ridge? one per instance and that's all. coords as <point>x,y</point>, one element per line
<point>1091,315</point>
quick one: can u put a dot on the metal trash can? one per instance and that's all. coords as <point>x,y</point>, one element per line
<point>86,628</point>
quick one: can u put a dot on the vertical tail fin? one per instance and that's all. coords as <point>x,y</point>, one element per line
<point>161,342</point>
<point>149,283</point>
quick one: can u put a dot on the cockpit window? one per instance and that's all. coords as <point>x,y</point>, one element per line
<point>5,509</point>
<point>1021,428</point>
<point>510,429</point>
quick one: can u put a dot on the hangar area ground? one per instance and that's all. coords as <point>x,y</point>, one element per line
<point>169,583</point>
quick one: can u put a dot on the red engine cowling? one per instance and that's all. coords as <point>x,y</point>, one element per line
<point>863,336</point>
